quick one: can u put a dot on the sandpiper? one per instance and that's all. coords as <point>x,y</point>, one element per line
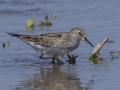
<point>55,44</point>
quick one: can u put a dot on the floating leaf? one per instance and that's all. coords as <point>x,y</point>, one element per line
<point>3,45</point>
<point>46,17</point>
<point>30,22</point>
<point>29,28</point>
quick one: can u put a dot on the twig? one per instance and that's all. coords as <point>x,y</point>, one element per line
<point>99,46</point>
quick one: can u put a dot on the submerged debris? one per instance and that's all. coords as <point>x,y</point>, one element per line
<point>95,54</point>
<point>99,46</point>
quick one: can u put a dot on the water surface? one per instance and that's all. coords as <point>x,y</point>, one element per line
<point>20,66</point>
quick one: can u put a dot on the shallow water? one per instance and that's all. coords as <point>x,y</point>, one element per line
<point>20,66</point>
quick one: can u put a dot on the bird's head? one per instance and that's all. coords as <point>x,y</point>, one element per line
<point>80,35</point>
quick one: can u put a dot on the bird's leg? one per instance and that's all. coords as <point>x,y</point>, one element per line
<point>41,57</point>
<point>53,60</point>
<point>59,61</point>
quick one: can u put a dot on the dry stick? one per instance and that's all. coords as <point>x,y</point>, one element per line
<point>99,46</point>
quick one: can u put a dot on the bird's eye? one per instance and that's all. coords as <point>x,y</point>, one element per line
<point>79,32</point>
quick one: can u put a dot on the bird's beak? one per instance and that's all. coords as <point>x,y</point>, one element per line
<point>85,39</point>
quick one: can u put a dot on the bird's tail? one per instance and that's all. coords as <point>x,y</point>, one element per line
<point>23,37</point>
<point>14,35</point>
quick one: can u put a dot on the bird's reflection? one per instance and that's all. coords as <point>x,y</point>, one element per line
<point>53,78</point>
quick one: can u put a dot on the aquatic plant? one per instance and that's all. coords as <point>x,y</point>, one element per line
<point>46,17</point>
<point>41,24</point>
<point>3,45</point>
<point>30,24</point>
<point>117,52</point>
<point>95,58</point>
<point>48,24</point>
<point>72,59</point>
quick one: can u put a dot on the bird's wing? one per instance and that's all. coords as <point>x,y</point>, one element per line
<point>48,39</point>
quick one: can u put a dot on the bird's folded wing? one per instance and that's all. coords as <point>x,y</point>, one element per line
<point>48,39</point>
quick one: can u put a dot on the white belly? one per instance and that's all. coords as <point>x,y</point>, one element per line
<point>52,51</point>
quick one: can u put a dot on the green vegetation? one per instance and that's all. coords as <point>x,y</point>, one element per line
<point>30,23</point>
<point>95,58</point>
<point>46,17</point>
<point>4,44</point>
<point>92,57</point>
<point>47,23</point>
<point>118,52</point>
<point>72,59</point>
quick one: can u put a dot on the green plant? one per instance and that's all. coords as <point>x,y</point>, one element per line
<point>118,52</point>
<point>3,45</point>
<point>95,58</point>
<point>72,59</point>
<point>30,23</point>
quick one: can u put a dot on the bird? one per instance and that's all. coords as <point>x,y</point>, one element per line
<point>54,44</point>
